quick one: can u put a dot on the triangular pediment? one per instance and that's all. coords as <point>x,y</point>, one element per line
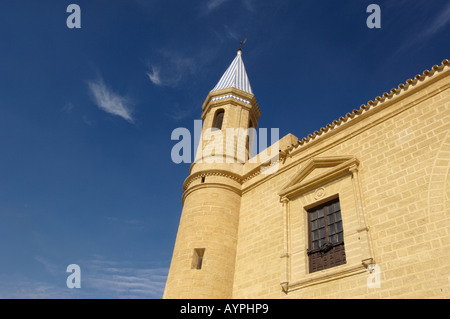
<point>318,170</point>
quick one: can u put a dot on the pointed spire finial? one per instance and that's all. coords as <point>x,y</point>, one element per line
<point>235,76</point>
<point>239,51</point>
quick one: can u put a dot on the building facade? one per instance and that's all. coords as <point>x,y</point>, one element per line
<point>358,209</point>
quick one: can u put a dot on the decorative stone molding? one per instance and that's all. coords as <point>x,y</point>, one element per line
<point>218,98</point>
<point>312,181</point>
<point>395,93</point>
<point>285,266</point>
<point>206,173</point>
<point>319,193</point>
<point>367,262</point>
<point>329,275</point>
<point>338,166</point>
<point>232,95</point>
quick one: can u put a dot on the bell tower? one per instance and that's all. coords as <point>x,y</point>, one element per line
<point>203,259</point>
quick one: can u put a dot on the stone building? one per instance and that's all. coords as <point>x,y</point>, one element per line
<point>358,209</point>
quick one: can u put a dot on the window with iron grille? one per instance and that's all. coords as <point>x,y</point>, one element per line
<point>326,236</point>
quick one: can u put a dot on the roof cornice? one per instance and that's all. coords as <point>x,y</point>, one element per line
<point>410,86</point>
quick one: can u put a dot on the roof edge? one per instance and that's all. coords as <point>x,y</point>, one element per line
<point>371,104</point>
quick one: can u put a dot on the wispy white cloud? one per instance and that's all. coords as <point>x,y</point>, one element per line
<point>50,267</point>
<point>170,69</point>
<point>124,280</point>
<point>68,107</point>
<point>178,113</point>
<point>100,278</point>
<point>154,76</point>
<point>438,23</point>
<point>232,33</point>
<point>48,284</point>
<point>130,282</point>
<point>109,101</point>
<point>250,5</point>
<point>213,4</point>
<point>25,288</point>
<point>434,25</point>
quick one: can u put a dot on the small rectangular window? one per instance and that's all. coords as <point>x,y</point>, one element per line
<point>197,260</point>
<point>326,236</point>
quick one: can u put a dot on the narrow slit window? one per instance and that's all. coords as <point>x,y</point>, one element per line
<point>203,179</point>
<point>197,261</point>
<point>247,146</point>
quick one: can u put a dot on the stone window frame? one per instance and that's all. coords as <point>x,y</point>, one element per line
<point>338,168</point>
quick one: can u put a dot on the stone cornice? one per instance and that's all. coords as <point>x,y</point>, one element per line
<point>396,94</point>
<point>211,172</point>
<point>233,96</point>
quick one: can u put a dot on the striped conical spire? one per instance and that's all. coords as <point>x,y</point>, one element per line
<point>235,76</point>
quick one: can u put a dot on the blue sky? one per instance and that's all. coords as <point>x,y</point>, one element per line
<point>86,116</point>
